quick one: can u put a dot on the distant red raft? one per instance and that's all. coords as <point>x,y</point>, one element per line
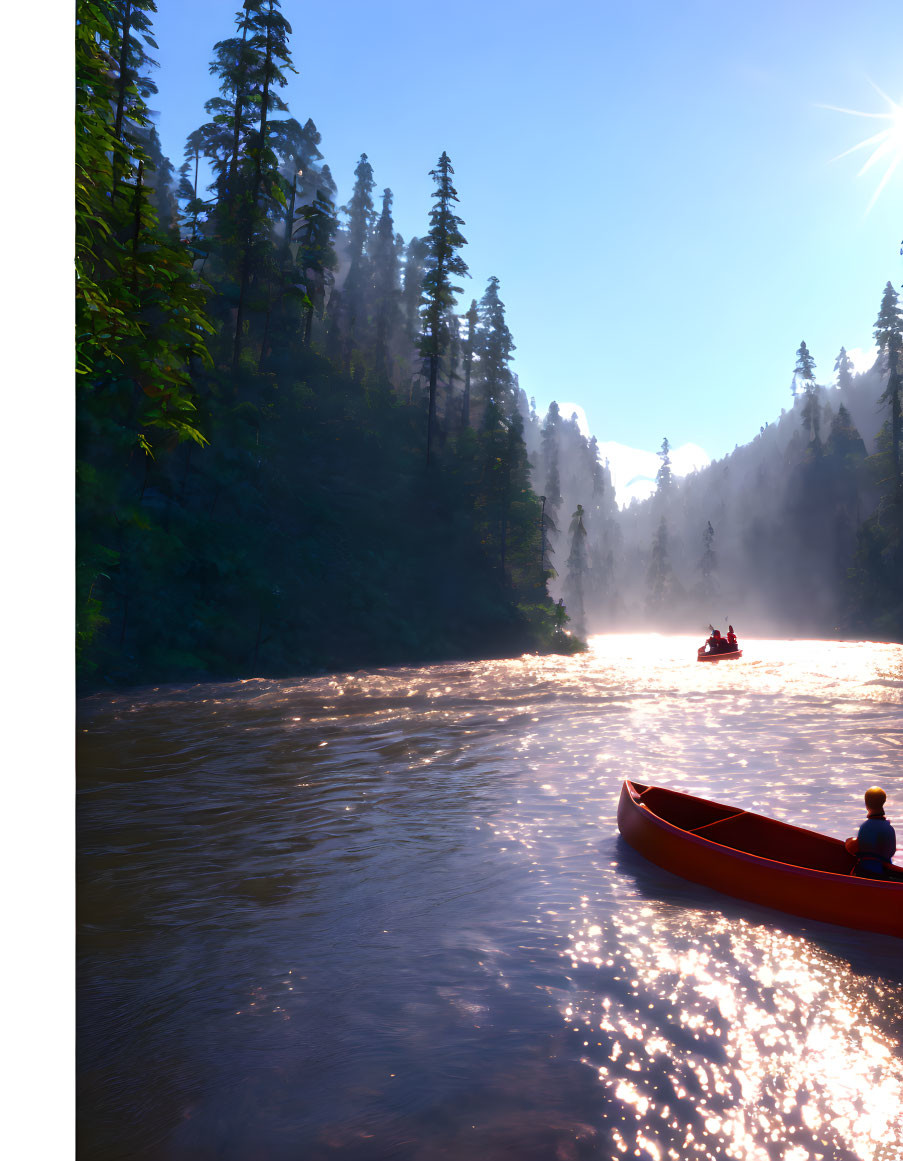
<point>703,656</point>
<point>756,858</point>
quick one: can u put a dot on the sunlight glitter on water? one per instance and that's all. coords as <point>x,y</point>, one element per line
<point>388,913</point>
<point>714,1036</point>
<point>737,1040</point>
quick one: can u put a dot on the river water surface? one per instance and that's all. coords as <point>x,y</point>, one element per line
<point>388,914</point>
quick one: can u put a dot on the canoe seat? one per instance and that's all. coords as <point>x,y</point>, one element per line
<point>683,810</point>
<point>770,839</point>
<point>707,826</point>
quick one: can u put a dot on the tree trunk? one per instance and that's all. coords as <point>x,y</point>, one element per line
<point>542,542</point>
<point>266,326</point>
<point>136,233</point>
<point>465,405</point>
<point>290,219</point>
<point>123,84</point>
<point>504,522</point>
<point>240,309</point>
<point>431,415</point>
<point>895,435</point>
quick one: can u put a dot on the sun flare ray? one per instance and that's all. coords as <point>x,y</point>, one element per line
<point>886,146</point>
<point>884,180</point>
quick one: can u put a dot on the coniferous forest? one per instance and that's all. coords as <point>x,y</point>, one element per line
<point>290,452</point>
<point>299,447</point>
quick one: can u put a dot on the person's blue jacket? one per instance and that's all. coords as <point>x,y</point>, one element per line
<point>877,844</point>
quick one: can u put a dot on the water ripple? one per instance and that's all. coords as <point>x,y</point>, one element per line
<point>388,914</point>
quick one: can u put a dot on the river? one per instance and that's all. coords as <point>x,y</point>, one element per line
<point>388,914</point>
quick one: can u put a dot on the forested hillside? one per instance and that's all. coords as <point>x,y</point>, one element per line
<point>798,533</point>
<point>299,447</point>
<point>291,452</point>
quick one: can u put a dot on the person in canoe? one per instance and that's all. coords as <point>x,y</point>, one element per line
<point>715,643</point>
<point>874,846</point>
<point>731,639</point>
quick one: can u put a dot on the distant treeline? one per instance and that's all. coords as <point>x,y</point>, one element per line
<point>799,532</point>
<point>291,452</point>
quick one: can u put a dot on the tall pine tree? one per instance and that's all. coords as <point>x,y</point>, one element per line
<point>576,572</point>
<point>354,293</point>
<point>843,368</point>
<point>263,193</point>
<point>494,351</point>
<point>805,371</point>
<point>709,561</point>
<point>889,338</point>
<point>469,350</point>
<point>550,435</point>
<point>386,290</point>
<point>663,477</point>
<point>443,263</point>
<point>660,575</point>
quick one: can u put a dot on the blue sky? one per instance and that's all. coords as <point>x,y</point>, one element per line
<point>654,184</point>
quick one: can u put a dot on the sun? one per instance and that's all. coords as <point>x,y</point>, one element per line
<point>886,146</point>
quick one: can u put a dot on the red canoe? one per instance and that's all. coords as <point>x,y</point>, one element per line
<point>703,656</point>
<point>756,858</point>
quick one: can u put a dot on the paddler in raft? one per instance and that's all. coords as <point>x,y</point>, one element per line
<point>874,846</point>
<point>718,644</point>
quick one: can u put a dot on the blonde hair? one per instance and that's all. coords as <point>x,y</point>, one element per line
<point>875,799</point>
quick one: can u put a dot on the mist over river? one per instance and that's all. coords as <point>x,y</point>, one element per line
<point>388,914</point>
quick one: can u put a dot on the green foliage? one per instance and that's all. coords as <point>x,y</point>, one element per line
<point>139,312</point>
<point>316,256</point>
<point>140,318</point>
